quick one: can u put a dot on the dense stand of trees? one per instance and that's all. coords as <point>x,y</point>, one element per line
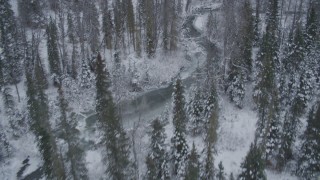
<point>285,75</point>
<point>284,70</point>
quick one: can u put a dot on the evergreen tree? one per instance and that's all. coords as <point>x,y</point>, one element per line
<point>8,100</point>
<point>115,138</point>
<point>91,25</point>
<point>212,26</point>
<point>312,43</point>
<point>107,28</point>
<point>221,173</point>
<point>209,172</point>
<point>71,28</point>
<point>179,7</point>
<point>229,26</point>
<point>272,138</point>
<point>85,76</point>
<point>1,70</point>
<point>180,147</point>
<point>150,29</point>
<point>165,33</point>
<point>151,169</point>
<point>119,24</point>
<point>188,5</point>
<point>257,23</point>
<point>309,159</point>
<point>193,167</point>
<point>41,75</point>
<point>40,125</point>
<point>53,52</point>
<point>289,132</point>
<point>157,157</point>
<point>211,112</point>
<point>31,13</point>
<point>174,35</point>
<point>241,61</point>
<point>231,177</point>
<point>180,153</point>
<point>298,68</point>
<point>253,165</point>
<point>5,148</point>
<point>235,88</point>
<point>292,65</point>
<point>10,45</point>
<point>138,36</point>
<point>311,27</point>
<point>130,21</point>
<point>179,114</point>
<point>74,62</point>
<point>197,114</point>
<point>75,153</point>
<point>266,91</point>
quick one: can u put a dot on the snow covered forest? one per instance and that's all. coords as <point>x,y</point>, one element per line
<point>160,89</point>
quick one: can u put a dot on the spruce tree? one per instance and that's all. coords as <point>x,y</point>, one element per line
<point>266,90</point>
<point>210,26</point>
<point>246,39</point>
<point>257,23</point>
<point>107,28</point>
<point>196,112</point>
<point>209,171</point>
<point>75,154</point>
<point>5,148</point>
<point>74,62</point>
<point>91,25</point>
<point>231,177</point>
<point>31,13</point>
<point>119,19</point>
<point>11,54</point>
<point>138,36</point>
<point>288,136</point>
<point>115,138</point>
<point>1,70</point>
<point>85,76</point>
<point>253,165</point>
<point>157,158</point>
<point>309,159</point>
<point>298,68</point>
<point>180,147</point>
<point>229,26</point>
<point>71,32</point>
<point>241,61</point>
<point>8,100</point>
<point>312,42</point>
<point>130,21</point>
<point>193,167</point>
<point>174,34</point>
<point>151,173</point>
<point>221,173</point>
<point>150,29</point>
<point>38,68</point>
<point>211,112</point>
<point>40,125</point>
<point>53,52</point>
<point>179,114</point>
<point>311,27</point>
<point>165,33</point>
<point>292,69</point>
<point>180,153</point>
